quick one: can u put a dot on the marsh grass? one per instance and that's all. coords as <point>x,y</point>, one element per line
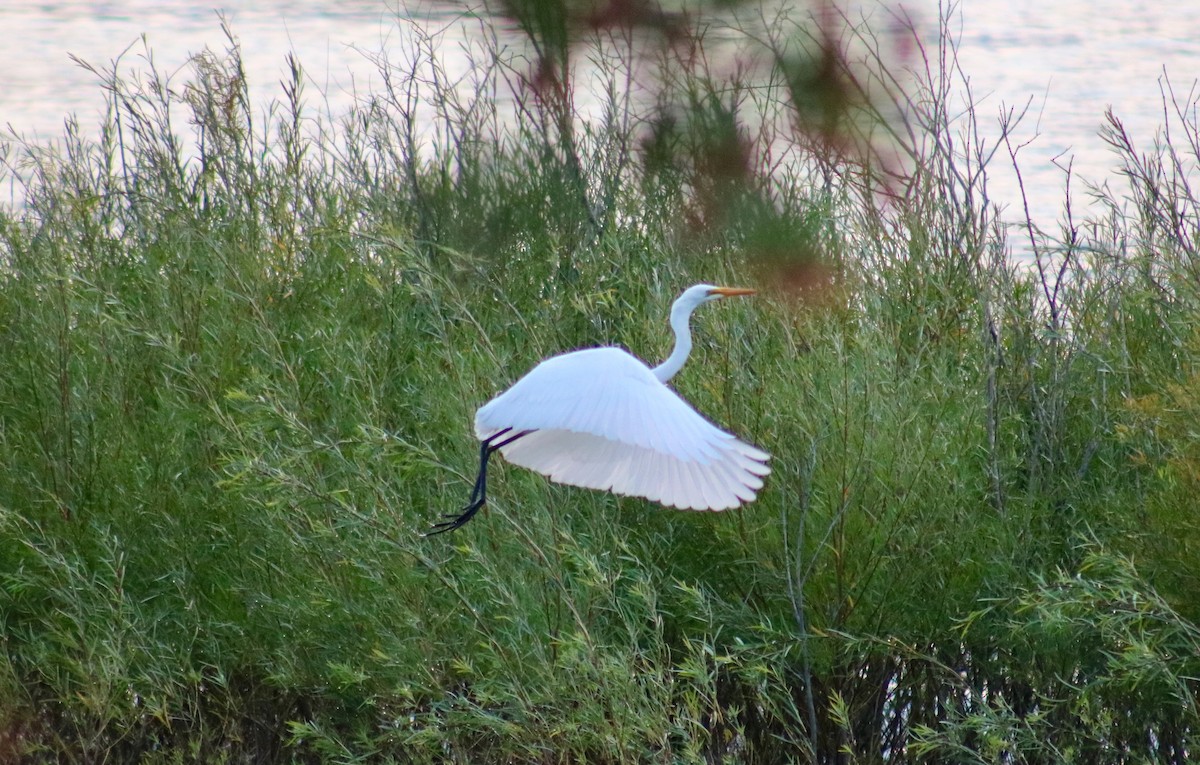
<point>242,353</point>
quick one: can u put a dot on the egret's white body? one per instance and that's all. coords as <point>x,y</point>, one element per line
<point>602,419</point>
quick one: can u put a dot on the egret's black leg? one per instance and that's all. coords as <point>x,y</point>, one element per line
<point>479,493</point>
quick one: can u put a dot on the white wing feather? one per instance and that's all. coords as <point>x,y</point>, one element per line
<point>602,420</point>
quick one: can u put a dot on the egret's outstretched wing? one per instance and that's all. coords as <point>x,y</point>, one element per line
<point>601,420</point>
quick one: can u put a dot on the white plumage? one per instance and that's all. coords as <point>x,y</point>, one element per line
<point>601,419</point>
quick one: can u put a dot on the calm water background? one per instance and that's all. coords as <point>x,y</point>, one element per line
<point>1068,59</point>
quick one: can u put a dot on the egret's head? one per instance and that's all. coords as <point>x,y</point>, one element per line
<point>706,293</point>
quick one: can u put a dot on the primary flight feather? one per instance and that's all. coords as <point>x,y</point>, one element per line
<point>601,419</point>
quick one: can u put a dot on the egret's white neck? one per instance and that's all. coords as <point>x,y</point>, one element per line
<point>681,314</point>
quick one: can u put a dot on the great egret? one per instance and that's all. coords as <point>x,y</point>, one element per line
<point>601,419</point>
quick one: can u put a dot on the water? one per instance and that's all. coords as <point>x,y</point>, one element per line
<point>42,84</point>
<point>1072,59</point>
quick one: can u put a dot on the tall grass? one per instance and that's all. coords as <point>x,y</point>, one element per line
<point>242,352</point>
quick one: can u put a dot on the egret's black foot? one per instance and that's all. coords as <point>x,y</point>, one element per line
<point>456,521</point>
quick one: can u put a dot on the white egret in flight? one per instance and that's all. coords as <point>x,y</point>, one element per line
<point>601,419</point>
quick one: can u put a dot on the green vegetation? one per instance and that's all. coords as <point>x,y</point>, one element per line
<point>239,378</point>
